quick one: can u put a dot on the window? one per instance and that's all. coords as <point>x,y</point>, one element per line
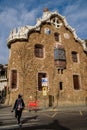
<point>61,85</point>
<point>40,76</point>
<point>59,54</point>
<point>14,79</point>
<point>38,51</point>
<point>3,72</point>
<point>74,56</point>
<point>76,82</point>
<point>55,22</point>
<point>47,31</point>
<point>60,71</point>
<point>60,58</point>
<point>56,36</point>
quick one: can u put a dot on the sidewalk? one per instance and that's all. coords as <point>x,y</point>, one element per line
<point>68,108</point>
<point>59,108</point>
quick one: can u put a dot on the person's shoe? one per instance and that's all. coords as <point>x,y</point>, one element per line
<point>15,116</point>
<point>20,124</point>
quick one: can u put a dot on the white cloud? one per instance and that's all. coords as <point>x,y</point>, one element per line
<point>28,17</point>
<point>77,17</point>
<point>12,18</point>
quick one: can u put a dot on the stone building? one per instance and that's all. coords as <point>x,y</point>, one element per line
<point>3,82</point>
<point>47,63</point>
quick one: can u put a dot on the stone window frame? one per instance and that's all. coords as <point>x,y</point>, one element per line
<point>58,59</point>
<point>47,31</point>
<point>39,50</point>
<point>56,23</point>
<point>10,81</point>
<point>61,86</point>
<point>57,36</point>
<point>44,75</point>
<point>60,71</point>
<point>75,57</point>
<point>76,81</point>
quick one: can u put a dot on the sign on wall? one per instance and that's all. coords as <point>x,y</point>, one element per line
<point>44,91</point>
<point>44,82</point>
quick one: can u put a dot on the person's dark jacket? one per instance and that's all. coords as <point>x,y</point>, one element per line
<point>15,105</point>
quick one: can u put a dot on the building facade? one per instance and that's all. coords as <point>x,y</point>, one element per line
<point>3,82</point>
<point>47,63</point>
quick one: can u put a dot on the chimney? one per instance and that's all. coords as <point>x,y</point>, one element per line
<point>45,10</point>
<point>46,13</point>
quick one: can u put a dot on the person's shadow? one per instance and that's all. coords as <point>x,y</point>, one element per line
<point>28,118</point>
<point>52,126</point>
<point>56,126</point>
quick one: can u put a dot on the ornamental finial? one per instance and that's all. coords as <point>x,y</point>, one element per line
<point>45,10</point>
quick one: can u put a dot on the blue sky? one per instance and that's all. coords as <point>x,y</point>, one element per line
<point>17,13</point>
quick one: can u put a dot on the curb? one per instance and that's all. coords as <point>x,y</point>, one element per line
<point>59,109</point>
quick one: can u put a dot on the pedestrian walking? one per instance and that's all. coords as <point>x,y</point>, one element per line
<point>18,107</point>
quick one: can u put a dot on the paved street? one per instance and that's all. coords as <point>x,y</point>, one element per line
<point>75,119</point>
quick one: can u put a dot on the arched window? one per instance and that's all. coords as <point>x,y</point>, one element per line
<point>38,50</point>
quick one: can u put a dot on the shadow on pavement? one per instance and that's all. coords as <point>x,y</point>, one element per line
<point>28,118</point>
<point>4,106</point>
<point>52,126</point>
<point>1,123</point>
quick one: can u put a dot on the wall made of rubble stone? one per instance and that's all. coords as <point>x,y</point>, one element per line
<point>67,96</point>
